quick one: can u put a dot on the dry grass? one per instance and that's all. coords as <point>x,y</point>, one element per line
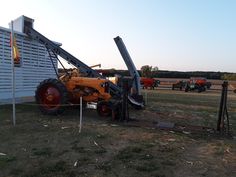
<point>43,146</point>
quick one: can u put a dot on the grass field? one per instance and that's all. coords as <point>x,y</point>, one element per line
<point>48,146</point>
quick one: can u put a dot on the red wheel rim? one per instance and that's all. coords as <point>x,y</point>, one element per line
<point>50,97</point>
<point>105,110</point>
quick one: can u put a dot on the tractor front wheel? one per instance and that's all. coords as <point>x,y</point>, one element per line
<point>51,96</point>
<point>104,109</point>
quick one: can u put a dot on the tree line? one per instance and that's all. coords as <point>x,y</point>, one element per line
<point>155,73</point>
<point>149,71</point>
<point>177,74</point>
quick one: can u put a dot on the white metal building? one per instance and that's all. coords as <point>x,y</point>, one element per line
<point>35,64</point>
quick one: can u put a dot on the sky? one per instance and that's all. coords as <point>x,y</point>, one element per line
<point>180,35</point>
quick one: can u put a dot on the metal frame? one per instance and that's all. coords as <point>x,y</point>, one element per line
<point>115,90</point>
<point>129,63</point>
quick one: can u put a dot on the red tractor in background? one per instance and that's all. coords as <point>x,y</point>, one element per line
<point>149,82</point>
<point>197,83</point>
<point>233,87</point>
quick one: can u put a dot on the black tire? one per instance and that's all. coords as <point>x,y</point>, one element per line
<point>51,103</point>
<point>104,109</point>
<point>201,89</point>
<point>155,84</point>
<point>208,84</point>
<point>186,89</point>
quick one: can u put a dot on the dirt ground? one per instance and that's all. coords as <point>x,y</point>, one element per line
<point>45,146</point>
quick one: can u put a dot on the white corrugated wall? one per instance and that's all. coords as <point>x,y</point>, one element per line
<point>35,66</point>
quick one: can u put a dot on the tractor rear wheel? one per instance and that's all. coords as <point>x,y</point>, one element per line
<point>51,95</point>
<point>104,109</point>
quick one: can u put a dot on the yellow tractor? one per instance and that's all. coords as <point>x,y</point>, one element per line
<point>53,95</point>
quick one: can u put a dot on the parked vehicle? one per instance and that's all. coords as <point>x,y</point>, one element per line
<point>149,82</point>
<point>197,83</point>
<point>179,85</point>
<point>234,87</point>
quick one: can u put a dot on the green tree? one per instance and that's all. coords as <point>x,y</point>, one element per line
<point>155,71</point>
<point>146,71</point>
<point>229,77</point>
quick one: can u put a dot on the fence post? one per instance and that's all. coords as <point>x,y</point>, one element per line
<point>13,76</point>
<point>223,112</point>
<point>80,115</point>
<point>146,97</point>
